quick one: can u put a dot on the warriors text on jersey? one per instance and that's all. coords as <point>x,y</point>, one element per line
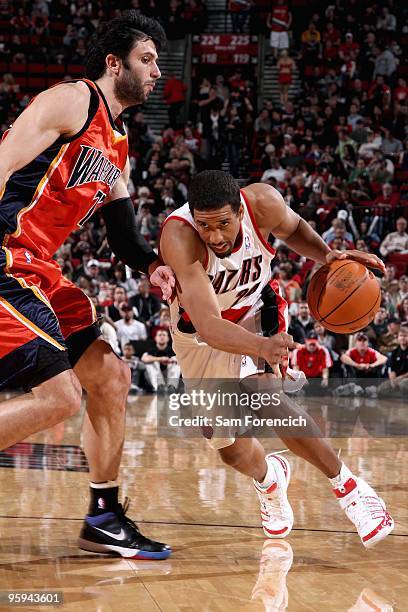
<point>238,280</point>
<point>59,190</point>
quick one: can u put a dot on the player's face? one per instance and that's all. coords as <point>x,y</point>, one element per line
<point>138,75</point>
<point>219,229</point>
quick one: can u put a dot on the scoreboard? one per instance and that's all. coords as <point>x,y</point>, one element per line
<point>225,49</point>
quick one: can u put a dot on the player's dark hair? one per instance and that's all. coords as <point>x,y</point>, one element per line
<point>119,37</point>
<point>213,189</point>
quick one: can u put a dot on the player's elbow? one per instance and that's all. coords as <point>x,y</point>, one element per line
<point>205,329</point>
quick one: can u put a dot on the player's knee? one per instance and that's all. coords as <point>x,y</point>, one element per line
<point>232,455</point>
<point>112,383</point>
<point>120,384</point>
<point>65,394</point>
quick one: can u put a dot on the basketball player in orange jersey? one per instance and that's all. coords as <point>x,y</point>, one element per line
<point>217,246</point>
<point>65,157</point>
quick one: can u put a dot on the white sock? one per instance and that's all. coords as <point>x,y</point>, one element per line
<point>342,477</point>
<point>270,476</point>
<point>109,484</point>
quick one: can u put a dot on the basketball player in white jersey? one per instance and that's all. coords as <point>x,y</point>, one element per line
<point>217,246</point>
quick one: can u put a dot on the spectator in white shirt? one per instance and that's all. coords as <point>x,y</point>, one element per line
<point>108,329</point>
<point>127,328</point>
<point>275,171</point>
<point>396,242</point>
<point>387,21</point>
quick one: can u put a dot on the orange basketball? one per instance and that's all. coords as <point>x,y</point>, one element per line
<point>344,296</point>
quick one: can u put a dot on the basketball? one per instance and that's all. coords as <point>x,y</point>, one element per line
<point>344,296</point>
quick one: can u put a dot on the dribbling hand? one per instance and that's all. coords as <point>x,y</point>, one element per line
<point>367,259</point>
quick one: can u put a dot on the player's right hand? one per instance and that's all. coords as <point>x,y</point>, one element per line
<point>275,348</point>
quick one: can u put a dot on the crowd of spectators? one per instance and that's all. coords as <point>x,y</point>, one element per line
<point>337,153</point>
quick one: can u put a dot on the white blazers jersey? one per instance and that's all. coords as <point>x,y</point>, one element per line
<point>238,280</point>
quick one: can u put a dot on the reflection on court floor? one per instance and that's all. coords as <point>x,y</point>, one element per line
<point>182,494</point>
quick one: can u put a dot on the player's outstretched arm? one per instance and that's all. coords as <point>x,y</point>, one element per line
<point>275,217</point>
<point>59,111</point>
<point>183,251</point>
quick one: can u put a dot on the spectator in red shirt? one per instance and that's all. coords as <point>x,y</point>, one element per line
<point>20,22</point>
<point>378,88</point>
<point>174,96</point>
<point>331,34</point>
<point>387,197</point>
<point>279,21</point>
<point>240,10</point>
<point>363,361</point>
<point>313,359</point>
<point>348,47</point>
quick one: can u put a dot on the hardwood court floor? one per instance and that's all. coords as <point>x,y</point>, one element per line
<point>182,494</point>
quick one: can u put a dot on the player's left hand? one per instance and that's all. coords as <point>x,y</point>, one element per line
<point>367,259</point>
<point>164,278</point>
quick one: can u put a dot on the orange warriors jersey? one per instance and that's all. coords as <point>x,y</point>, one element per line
<point>58,191</point>
<point>41,205</point>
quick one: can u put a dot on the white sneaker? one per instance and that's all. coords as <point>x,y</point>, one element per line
<point>293,380</point>
<point>365,509</point>
<point>369,601</point>
<point>270,587</point>
<point>276,511</point>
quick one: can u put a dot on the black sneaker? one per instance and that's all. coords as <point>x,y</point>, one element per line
<point>114,532</point>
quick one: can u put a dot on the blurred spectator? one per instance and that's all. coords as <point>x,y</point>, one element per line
<point>391,145</point>
<point>385,63</point>
<point>388,340</point>
<point>240,10</point>
<point>127,328</point>
<point>310,44</point>
<point>174,96</point>
<point>402,309</point>
<point>290,288</point>
<point>313,359</point>
<point>130,285</point>
<point>108,330</point>
<point>146,223</point>
<point>95,274</point>
<point>303,323</point>
<point>396,242</point>
<point>399,359</point>
<point>160,321</point>
<point>363,361</point>
<point>161,363</point>
<point>279,22</point>
<point>136,365</point>
<point>387,21</point>
<point>119,299</point>
<point>378,327</point>
<point>325,339</point>
<point>145,302</point>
